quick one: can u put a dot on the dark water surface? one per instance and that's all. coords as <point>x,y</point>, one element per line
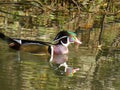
<point>25,71</point>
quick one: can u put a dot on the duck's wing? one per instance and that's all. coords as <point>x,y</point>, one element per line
<point>23,41</point>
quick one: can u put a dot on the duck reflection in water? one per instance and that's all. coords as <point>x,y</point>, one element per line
<point>60,66</point>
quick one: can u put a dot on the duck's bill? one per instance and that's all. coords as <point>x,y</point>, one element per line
<point>77,41</point>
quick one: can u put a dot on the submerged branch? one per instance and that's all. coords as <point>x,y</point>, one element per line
<point>102,23</point>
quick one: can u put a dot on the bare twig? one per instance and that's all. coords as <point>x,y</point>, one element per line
<point>6,12</point>
<point>76,5</point>
<point>39,4</point>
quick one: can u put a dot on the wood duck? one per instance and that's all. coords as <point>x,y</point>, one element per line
<point>58,46</point>
<point>60,66</point>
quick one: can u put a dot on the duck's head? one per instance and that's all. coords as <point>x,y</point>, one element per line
<point>66,37</point>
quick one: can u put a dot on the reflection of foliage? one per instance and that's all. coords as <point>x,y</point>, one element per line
<point>64,7</point>
<point>107,75</point>
<point>112,51</point>
<point>116,42</point>
<point>60,14</point>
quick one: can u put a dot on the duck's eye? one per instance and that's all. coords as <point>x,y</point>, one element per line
<point>72,39</point>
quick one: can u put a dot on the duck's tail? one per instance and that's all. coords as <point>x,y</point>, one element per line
<point>11,42</point>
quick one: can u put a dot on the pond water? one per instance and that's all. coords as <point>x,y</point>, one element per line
<point>25,71</point>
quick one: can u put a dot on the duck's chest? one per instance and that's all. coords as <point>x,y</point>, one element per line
<point>60,49</point>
